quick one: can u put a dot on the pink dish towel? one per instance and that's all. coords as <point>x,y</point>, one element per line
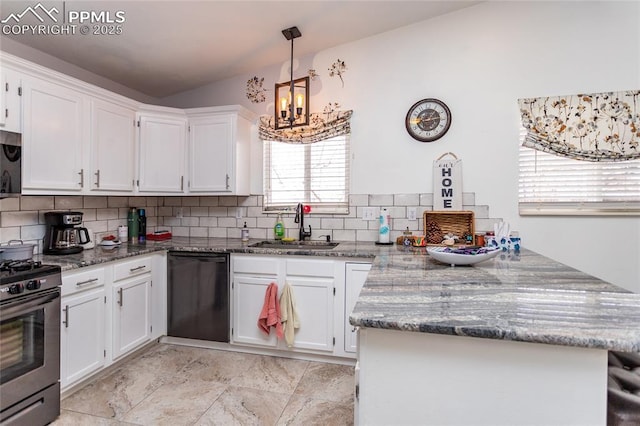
<point>270,314</point>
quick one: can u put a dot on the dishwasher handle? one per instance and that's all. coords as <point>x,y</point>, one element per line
<point>216,257</point>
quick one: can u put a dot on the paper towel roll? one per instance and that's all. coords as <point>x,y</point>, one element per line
<point>383,233</point>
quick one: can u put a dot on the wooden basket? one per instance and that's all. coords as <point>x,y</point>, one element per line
<point>439,223</point>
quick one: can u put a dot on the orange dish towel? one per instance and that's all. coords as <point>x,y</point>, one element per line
<point>270,314</point>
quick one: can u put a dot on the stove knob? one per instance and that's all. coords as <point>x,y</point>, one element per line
<point>33,285</point>
<point>16,289</point>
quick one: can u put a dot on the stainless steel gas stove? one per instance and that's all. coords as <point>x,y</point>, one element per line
<point>30,342</point>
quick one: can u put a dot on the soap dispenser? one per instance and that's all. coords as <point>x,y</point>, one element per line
<point>245,233</point>
<point>278,229</point>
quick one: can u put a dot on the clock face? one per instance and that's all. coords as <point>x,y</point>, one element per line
<point>428,120</point>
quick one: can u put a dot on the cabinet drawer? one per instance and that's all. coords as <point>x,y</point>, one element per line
<point>255,265</point>
<point>310,268</point>
<point>131,268</point>
<point>73,282</point>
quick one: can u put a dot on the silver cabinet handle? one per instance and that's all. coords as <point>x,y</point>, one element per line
<point>120,296</point>
<point>227,181</point>
<point>97,178</point>
<point>181,183</point>
<point>81,283</point>
<point>137,268</point>
<point>81,173</point>
<point>66,316</point>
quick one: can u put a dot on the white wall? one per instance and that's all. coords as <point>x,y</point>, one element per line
<point>479,61</point>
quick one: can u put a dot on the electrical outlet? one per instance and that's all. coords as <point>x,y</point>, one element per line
<point>179,213</point>
<point>412,213</point>
<point>238,213</point>
<point>369,213</point>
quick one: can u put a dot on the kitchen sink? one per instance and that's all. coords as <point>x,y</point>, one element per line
<point>298,245</point>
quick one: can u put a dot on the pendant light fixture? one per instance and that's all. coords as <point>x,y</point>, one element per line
<point>292,98</point>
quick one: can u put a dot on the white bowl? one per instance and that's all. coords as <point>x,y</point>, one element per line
<point>109,243</point>
<point>439,254</point>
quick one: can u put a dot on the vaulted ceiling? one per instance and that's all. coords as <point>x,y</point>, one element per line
<point>166,47</point>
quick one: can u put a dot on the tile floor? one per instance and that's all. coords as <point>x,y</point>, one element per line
<point>179,385</point>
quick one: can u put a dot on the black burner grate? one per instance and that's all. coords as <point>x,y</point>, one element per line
<point>19,265</point>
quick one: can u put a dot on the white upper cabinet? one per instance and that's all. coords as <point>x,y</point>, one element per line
<point>112,147</point>
<point>162,141</point>
<point>84,140</point>
<point>219,139</point>
<point>10,101</point>
<point>53,137</point>
<point>211,154</point>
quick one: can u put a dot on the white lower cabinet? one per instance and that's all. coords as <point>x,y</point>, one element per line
<point>107,313</point>
<point>355,276</point>
<point>248,298</point>
<point>131,314</point>
<point>313,286</point>
<point>318,287</point>
<point>82,340</point>
<point>82,324</point>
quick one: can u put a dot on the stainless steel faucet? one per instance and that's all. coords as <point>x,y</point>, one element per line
<point>300,220</point>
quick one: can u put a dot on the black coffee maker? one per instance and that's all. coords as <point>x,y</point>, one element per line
<point>63,235</point>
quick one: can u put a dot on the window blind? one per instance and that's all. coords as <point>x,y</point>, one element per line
<point>316,174</point>
<point>554,185</point>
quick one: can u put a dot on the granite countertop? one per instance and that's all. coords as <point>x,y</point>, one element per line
<point>100,254</point>
<point>516,296</point>
<point>522,297</point>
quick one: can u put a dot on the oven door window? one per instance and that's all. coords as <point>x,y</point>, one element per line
<point>22,343</point>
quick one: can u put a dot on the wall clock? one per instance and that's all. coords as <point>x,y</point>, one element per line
<point>428,120</point>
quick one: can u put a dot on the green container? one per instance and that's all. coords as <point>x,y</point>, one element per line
<point>133,222</point>
<point>278,229</point>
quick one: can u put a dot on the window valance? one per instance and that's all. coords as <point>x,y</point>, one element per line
<point>590,127</point>
<point>323,126</point>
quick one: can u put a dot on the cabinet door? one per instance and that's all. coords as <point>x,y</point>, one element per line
<point>211,142</point>
<point>355,276</point>
<point>82,339</point>
<point>248,299</point>
<point>131,314</point>
<point>52,138</point>
<point>314,304</point>
<point>112,147</point>
<point>10,101</point>
<point>162,153</point>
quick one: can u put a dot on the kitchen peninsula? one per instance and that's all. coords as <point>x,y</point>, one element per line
<point>520,339</point>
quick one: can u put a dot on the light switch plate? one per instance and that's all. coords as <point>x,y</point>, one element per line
<point>412,213</point>
<point>369,213</point>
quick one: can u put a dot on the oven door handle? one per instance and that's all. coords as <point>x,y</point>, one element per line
<point>23,305</point>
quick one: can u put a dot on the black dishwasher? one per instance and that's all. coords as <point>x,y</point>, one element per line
<point>198,295</point>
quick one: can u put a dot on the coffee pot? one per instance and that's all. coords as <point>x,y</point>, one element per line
<point>62,235</point>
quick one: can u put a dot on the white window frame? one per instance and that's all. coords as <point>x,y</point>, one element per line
<point>309,197</point>
<point>549,185</point>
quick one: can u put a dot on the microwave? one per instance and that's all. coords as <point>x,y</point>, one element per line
<point>10,164</point>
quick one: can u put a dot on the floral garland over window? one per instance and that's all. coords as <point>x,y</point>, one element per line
<point>591,127</point>
<point>326,125</point>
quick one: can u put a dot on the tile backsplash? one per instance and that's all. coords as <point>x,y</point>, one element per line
<point>22,218</point>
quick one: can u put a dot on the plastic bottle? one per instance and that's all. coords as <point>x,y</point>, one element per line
<point>132,224</point>
<point>245,233</point>
<point>278,229</point>
<point>383,234</point>
<point>142,226</point>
